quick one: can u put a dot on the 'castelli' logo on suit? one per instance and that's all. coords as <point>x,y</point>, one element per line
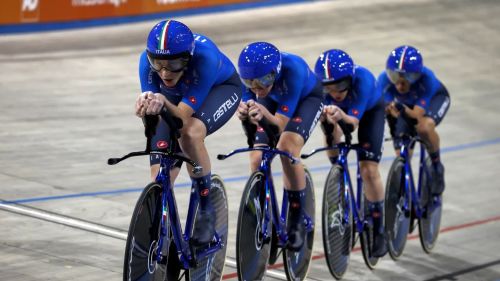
<point>284,108</point>
<point>355,112</point>
<point>260,129</point>
<point>422,102</point>
<point>192,99</point>
<point>297,119</point>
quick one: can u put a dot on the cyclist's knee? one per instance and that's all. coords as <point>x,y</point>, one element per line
<point>194,131</point>
<point>154,171</point>
<point>255,158</point>
<point>370,172</point>
<point>291,143</point>
<point>425,125</point>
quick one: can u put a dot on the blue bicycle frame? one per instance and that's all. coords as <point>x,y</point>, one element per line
<point>278,218</point>
<point>406,150</point>
<point>184,251</point>
<point>344,149</point>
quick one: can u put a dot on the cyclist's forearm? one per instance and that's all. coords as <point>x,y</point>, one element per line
<point>351,120</point>
<point>416,113</point>
<point>278,119</point>
<point>182,111</point>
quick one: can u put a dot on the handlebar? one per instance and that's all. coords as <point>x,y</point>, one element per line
<point>272,132</point>
<point>328,129</point>
<point>150,122</point>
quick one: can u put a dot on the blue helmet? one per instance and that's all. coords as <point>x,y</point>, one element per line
<point>259,59</point>
<point>334,65</point>
<point>170,39</point>
<point>405,59</point>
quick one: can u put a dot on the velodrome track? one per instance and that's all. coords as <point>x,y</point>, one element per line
<point>67,105</point>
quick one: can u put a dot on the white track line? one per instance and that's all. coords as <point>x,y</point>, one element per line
<point>96,228</point>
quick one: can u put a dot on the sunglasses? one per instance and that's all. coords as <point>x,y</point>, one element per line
<point>262,82</point>
<point>339,87</point>
<point>173,65</point>
<point>394,76</point>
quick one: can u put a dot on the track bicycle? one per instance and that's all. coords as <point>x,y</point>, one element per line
<point>156,248</point>
<point>406,202</point>
<point>345,215</point>
<point>262,229</point>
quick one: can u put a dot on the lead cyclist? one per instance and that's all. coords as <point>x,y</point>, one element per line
<point>187,74</point>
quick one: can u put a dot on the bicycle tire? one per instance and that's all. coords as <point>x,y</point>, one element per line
<point>430,222</point>
<point>337,233</point>
<point>214,264</point>
<point>397,220</point>
<point>297,262</point>
<point>366,237</point>
<point>142,238</point>
<point>252,251</point>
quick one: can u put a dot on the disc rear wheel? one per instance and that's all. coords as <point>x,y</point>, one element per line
<point>297,262</point>
<point>214,264</point>
<point>430,222</point>
<point>366,237</point>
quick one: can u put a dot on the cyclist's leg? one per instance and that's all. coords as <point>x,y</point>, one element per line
<point>334,136</point>
<point>426,128</point>
<point>396,140</point>
<point>296,133</point>
<point>219,106</point>
<point>261,138</point>
<point>159,141</point>
<point>370,136</point>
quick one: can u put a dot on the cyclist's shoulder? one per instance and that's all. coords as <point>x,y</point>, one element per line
<point>382,78</point>
<point>363,75</point>
<point>206,52</point>
<point>293,66</point>
<point>428,80</point>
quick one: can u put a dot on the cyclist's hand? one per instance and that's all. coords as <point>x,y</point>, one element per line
<point>255,112</point>
<point>393,110</point>
<point>155,105</point>
<point>333,114</point>
<point>141,104</point>
<point>242,111</point>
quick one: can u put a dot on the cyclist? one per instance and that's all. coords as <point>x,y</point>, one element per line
<point>281,89</point>
<point>412,89</point>
<point>352,98</point>
<point>187,74</point>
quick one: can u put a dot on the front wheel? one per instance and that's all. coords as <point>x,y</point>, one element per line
<point>430,222</point>
<point>213,265</point>
<point>337,223</point>
<point>297,262</point>
<point>142,241</point>
<point>252,248</point>
<point>397,209</point>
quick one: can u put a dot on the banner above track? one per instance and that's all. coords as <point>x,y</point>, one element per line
<point>50,11</point>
